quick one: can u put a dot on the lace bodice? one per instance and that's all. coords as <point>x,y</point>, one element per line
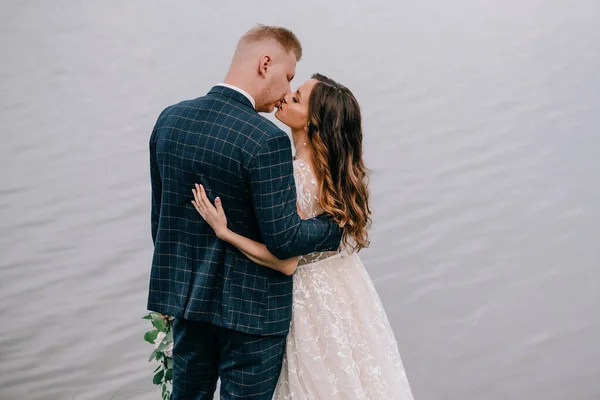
<point>307,189</point>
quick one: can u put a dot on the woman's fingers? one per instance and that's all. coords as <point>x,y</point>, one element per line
<point>205,201</point>
<point>201,201</point>
<point>196,197</point>
<point>197,207</point>
<point>203,196</point>
<point>197,203</point>
<point>219,205</point>
<point>197,194</point>
<point>203,204</point>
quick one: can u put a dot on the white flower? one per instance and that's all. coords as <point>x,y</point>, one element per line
<point>169,350</point>
<point>159,338</point>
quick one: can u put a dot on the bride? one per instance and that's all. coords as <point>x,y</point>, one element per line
<point>340,344</point>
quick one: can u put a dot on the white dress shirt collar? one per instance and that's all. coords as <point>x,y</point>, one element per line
<point>237,89</point>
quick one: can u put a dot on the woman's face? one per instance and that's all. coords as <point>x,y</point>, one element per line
<point>293,109</point>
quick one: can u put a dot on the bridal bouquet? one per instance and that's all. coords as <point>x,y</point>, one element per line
<point>161,336</point>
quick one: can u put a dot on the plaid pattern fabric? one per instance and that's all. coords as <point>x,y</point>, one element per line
<point>248,365</point>
<point>219,140</point>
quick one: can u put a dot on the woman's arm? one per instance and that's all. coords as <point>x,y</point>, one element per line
<point>257,252</point>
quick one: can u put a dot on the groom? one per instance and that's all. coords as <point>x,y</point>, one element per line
<point>231,315</point>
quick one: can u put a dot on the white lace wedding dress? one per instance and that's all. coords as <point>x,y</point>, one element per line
<point>340,345</point>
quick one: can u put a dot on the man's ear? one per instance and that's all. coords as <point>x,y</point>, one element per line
<point>264,65</point>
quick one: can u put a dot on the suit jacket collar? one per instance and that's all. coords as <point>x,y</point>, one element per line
<point>232,94</point>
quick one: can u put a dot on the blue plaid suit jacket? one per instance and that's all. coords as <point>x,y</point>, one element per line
<point>219,140</point>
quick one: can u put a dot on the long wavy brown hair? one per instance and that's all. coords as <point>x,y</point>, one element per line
<point>335,132</point>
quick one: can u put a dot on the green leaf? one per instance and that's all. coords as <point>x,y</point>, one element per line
<point>163,346</point>
<point>169,375</point>
<point>157,368</point>
<point>158,322</point>
<point>164,390</point>
<point>158,377</point>
<point>150,336</point>
<point>168,339</point>
<point>149,316</point>
<point>169,363</point>
<point>152,357</point>
<point>159,355</point>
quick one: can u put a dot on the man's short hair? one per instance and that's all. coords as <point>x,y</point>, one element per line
<point>283,36</point>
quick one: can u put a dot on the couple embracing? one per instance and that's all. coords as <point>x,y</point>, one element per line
<point>255,250</point>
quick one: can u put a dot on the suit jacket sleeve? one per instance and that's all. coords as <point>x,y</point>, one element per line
<point>156,186</point>
<point>274,199</point>
<point>155,178</point>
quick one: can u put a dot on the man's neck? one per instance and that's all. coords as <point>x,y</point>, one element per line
<point>239,88</point>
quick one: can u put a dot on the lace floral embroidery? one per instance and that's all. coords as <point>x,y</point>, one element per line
<point>308,203</point>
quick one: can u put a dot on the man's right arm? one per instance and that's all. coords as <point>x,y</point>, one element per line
<point>156,187</point>
<point>274,199</point>
<point>155,177</point>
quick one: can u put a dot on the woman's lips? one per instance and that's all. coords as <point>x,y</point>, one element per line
<point>280,104</point>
